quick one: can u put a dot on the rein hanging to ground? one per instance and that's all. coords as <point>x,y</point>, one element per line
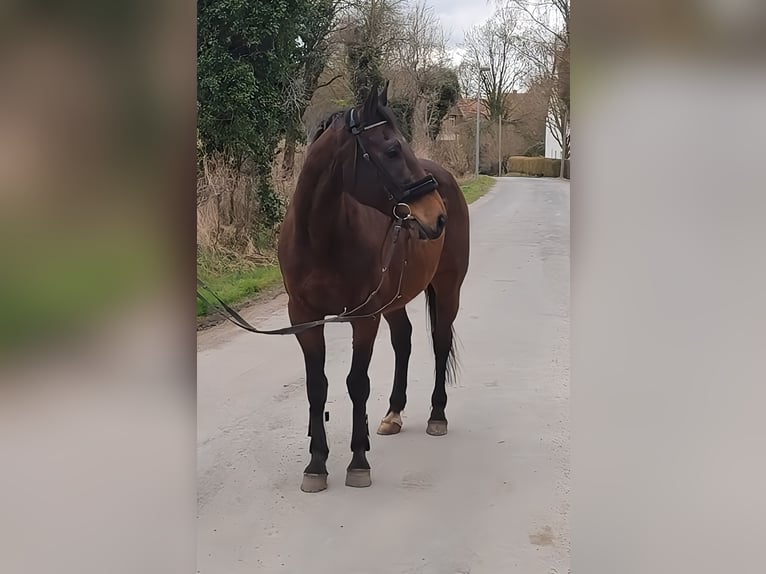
<point>345,317</point>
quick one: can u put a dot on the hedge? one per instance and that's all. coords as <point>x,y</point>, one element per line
<point>537,166</point>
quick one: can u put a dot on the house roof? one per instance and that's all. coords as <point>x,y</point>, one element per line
<point>466,107</point>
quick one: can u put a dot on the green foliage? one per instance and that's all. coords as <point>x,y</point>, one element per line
<point>233,279</point>
<point>313,53</point>
<point>447,87</point>
<point>250,56</point>
<point>363,61</point>
<point>404,110</point>
<point>243,57</point>
<point>271,208</point>
<point>441,89</point>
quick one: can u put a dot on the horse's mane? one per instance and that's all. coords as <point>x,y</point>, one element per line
<point>324,124</point>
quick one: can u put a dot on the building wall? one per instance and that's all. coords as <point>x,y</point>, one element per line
<point>552,147</point>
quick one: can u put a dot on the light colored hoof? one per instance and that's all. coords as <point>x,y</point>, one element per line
<point>391,424</point>
<point>314,482</point>
<point>436,428</point>
<point>358,478</point>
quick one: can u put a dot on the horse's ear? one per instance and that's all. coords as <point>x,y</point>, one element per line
<point>370,109</point>
<point>383,98</point>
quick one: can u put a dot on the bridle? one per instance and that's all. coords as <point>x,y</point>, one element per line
<point>398,196</point>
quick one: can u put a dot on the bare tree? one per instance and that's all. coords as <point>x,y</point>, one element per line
<point>317,46</point>
<point>419,60</point>
<point>558,113</point>
<point>422,45</point>
<point>495,45</point>
<point>546,47</point>
<point>365,32</point>
<point>372,33</point>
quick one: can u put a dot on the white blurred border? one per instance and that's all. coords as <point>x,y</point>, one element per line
<point>669,318</point>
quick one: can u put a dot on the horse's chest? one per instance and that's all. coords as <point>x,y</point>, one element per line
<point>422,261</point>
<point>330,292</point>
<point>353,278</point>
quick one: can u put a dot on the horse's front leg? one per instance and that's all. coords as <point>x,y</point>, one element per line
<point>358,383</point>
<point>401,341</point>
<point>313,346</point>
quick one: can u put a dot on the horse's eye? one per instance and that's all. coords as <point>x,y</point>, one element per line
<point>393,151</point>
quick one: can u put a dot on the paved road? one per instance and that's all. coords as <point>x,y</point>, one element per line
<point>491,497</point>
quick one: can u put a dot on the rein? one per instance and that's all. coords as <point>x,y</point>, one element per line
<point>345,317</point>
<point>397,195</point>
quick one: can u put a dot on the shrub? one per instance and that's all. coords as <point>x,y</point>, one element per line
<point>537,166</point>
<point>535,150</point>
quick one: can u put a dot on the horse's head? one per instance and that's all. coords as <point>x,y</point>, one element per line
<point>385,173</point>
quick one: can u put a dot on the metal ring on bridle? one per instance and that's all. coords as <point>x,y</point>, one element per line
<point>402,217</point>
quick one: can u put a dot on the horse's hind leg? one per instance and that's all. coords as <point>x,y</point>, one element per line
<point>401,341</point>
<point>443,297</point>
<point>313,345</point>
<point>358,383</point>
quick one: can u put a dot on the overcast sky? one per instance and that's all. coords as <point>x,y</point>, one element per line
<point>458,16</point>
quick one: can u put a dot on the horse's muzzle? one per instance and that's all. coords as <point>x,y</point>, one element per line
<point>426,232</point>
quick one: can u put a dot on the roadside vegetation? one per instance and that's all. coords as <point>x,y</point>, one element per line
<point>475,188</point>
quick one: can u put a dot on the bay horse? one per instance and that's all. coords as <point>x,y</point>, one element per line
<point>370,227</point>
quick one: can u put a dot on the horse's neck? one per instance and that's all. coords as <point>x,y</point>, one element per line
<point>320,213</point>
<point>327,219</point>
<point>336,230</point>
<point>316,193</point>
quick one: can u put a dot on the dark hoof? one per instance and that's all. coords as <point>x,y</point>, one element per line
<point>314,482</point>
<point>358,478</point>
<point>436,428</point>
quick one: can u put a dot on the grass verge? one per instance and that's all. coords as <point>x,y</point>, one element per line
<point>474,188</point>
<point>235,280</point>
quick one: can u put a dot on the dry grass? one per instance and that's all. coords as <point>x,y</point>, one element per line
<point>236,254</point>
<point>453,156</point>
<point>225,207</point>
<point>285,186</point>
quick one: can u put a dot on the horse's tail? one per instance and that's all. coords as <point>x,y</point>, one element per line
<point>452,359</point>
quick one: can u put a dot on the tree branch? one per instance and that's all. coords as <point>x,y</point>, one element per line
<point>327,83</point>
